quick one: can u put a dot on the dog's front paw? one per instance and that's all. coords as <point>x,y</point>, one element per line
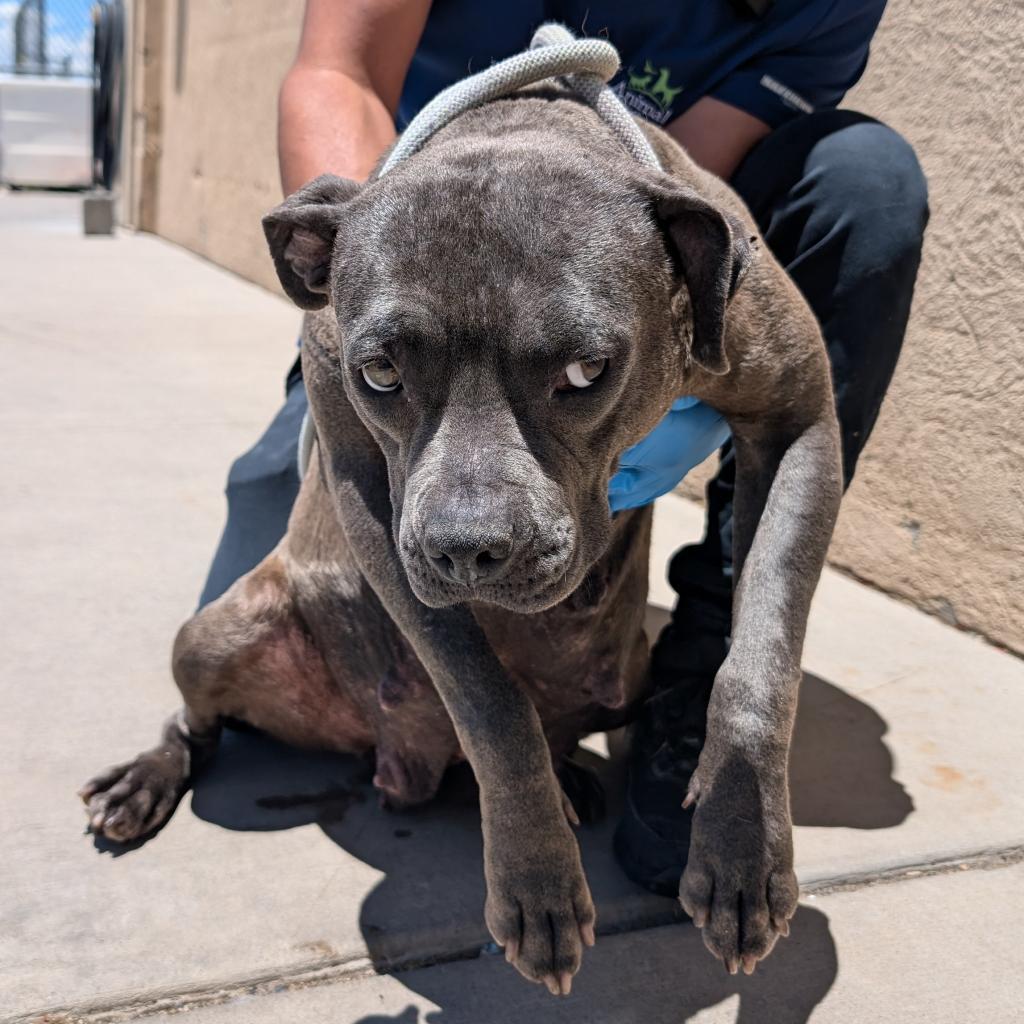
<point>739,886</point>
<point>539,908</point>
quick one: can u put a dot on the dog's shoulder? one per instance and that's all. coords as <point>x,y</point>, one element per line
<point>772,340</point>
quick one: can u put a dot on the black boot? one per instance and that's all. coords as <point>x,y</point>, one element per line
<point>653,837</point>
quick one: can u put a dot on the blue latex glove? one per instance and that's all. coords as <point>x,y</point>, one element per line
<point>687,435</point>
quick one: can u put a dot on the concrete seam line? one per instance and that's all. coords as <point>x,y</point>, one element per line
<point>990,859</point>
<point>125,1007</point>
<point>116,1010</point>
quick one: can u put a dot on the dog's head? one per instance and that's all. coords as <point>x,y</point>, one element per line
<point>509,321</point>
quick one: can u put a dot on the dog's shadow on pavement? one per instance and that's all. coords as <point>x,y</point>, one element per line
<point>429,904</point>
<point>840,770</point>
<point>669,978</point>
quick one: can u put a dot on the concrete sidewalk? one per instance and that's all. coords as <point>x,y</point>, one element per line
<point>134,373</point>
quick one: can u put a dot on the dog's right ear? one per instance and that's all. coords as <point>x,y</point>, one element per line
<point>301,233</point>
<point>713,251</point>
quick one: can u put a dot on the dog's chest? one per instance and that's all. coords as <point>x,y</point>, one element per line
<point>587,654</point>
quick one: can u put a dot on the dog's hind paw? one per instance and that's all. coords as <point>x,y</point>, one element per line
<point>582,792</point>
<point>132,800</point>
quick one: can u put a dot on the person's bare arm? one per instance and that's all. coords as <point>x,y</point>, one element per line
<point>338,101</point>
<point>717,135</point>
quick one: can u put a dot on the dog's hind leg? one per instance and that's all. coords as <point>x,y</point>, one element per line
<point>247,656</point>
<point>134,799</point>
<point>582,791</point>
<point>411,732</point>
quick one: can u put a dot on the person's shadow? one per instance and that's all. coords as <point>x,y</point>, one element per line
<point>428,906</point>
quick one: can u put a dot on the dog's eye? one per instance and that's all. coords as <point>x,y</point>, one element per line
<point>381,375</point>
<point>581,374</point>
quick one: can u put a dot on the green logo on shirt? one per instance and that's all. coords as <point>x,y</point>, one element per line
<point>655,88</point>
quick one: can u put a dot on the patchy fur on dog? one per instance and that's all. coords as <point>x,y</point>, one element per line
<point>452,583</point>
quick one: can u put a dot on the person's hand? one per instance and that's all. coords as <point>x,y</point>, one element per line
<point>687,435</point>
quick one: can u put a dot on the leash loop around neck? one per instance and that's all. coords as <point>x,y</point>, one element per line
<point>585,65</point>
<point>594,91</point>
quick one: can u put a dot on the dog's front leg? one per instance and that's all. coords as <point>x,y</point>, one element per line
<point>739,884</point>
<point>538,903</point>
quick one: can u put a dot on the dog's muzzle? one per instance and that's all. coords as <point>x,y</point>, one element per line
<point>472,554</point>
<point>468,536</point>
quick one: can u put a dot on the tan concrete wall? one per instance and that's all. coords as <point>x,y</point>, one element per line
<point>222,62</point>
<point>937,511</point>
<point>142,125</point>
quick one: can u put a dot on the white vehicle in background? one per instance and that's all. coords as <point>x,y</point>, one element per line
<point>46,131</point>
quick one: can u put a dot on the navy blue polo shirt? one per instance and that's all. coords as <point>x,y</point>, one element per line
<point>796,57</point>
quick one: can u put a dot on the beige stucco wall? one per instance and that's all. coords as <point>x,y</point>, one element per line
<point>937,511</point>
<point>220,65</point>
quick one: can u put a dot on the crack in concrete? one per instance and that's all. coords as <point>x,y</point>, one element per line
<point>120,1008</point>
<point>981,860</point>
<point>344,970</point>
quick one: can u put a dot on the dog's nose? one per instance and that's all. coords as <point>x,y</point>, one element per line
<point>468,557</point>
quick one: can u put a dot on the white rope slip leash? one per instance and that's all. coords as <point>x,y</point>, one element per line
<point>584,65</point>
<point>307,437</point>
<point>594,90</point>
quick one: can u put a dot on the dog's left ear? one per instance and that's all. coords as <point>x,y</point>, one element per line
<point>713,251</point>
<point>301,233</point>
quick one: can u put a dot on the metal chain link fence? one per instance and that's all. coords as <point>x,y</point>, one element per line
<point>47,37</point>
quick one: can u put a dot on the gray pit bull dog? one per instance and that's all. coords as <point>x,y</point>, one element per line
<point>491,324</point>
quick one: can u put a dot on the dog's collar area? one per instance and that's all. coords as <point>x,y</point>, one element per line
<point>584,65</point>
